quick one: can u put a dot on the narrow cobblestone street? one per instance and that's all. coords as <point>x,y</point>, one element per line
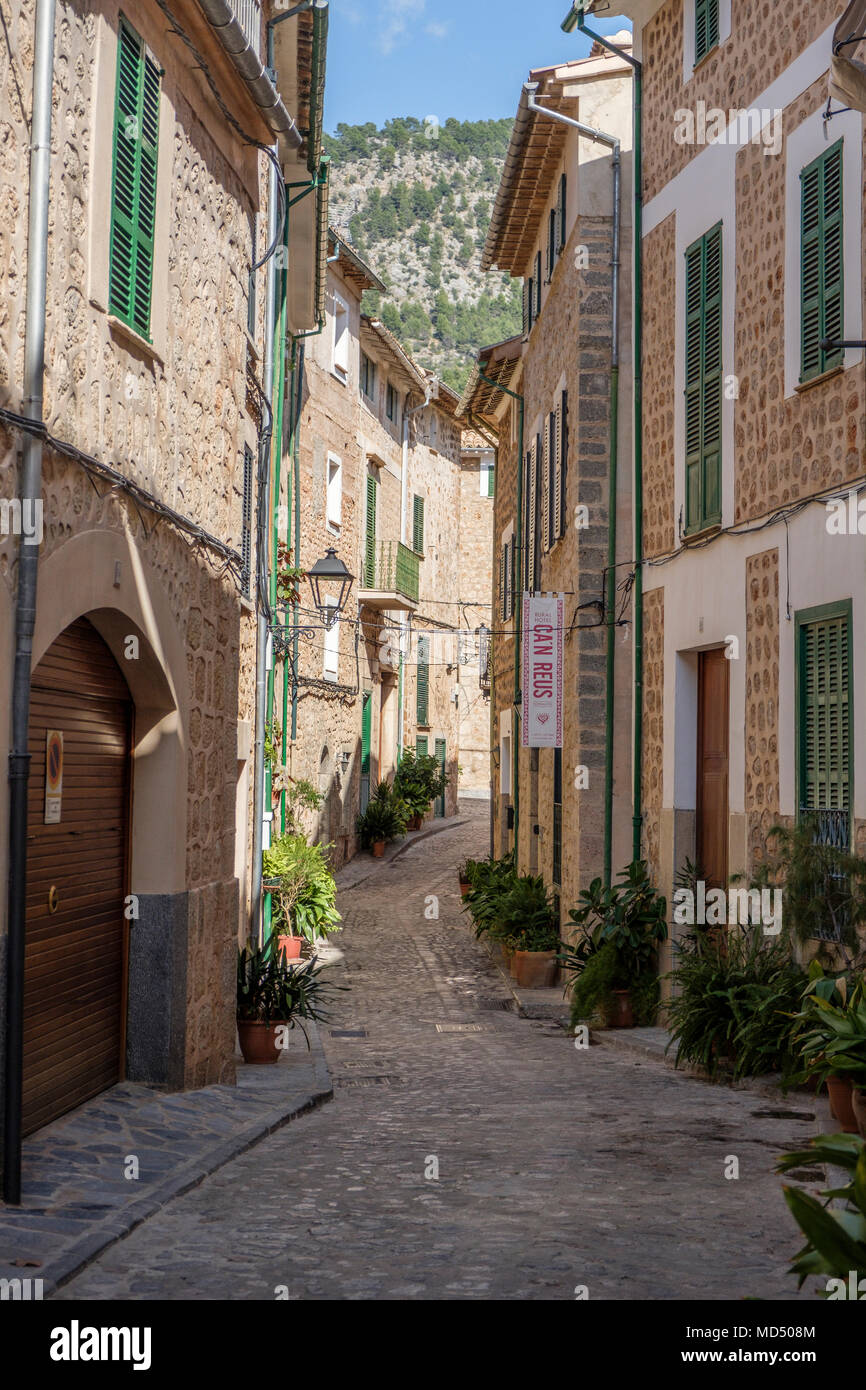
<point>556,1167</point>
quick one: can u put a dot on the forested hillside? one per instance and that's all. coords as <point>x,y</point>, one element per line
<point>415,199</point>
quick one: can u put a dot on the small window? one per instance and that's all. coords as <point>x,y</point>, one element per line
<point>251,284</point>
<point>334,499</point>
<point>368,377</point>
<point>341,339</point>
<point>331,662</point>
<point>422,693</point>
<point>551,243</point>
<point>133,191</point>
<point>391,409</point>
<point>821,271</point>
<point>706,27</point>
<point>487,479</point>
<point>537,281</point>
<point>703,403</point>
<point>562,215</point>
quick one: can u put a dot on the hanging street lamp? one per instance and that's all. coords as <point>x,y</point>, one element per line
<point>330,582</point>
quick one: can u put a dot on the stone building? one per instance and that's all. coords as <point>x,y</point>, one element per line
<point>148,431</point>
<point>547,395</point>
<point>477,492</point>
<point>754,423</point>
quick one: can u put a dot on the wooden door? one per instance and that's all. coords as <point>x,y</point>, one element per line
<point>711,831</point>
<point>76,944</point>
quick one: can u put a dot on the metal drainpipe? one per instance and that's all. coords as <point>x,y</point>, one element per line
<point>518,607</point>
<point>601,137</point>
<point>575,20</point>
<point>25,605</point>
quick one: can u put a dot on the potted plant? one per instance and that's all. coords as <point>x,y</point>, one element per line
<point>527,926</point>
<point>835,1235</point>
<point>418,781</point>
<point>623,925</point>
<point>303,893</point>
<point>385,819</point>
<point>273,995</point>
<point>465,875</point>
<point>491,881</point>
<point>833,1046</point>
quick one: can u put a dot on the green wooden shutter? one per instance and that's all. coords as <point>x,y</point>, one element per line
<point>422,694</point>
<point>706,27</point>
<point>503,550</point>
<point>704,381</point>
<point>821,261</point>
<point>551,242</point>
<point>421,745</point>
<point>418,525</point>
<point>562,210</point>
<point>440,753</point>
<point>366,730</point>
<point>491,481</point>
<point>527,307</point>
<point>370,543</point>
<point>825,713</point>
<point>133,194</point>
<point>537,283</point>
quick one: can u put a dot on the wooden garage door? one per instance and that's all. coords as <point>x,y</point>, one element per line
<point>75,960</point>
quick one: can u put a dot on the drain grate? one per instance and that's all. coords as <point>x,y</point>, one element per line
<point>460,1028</point>
<point>348,1033</point>
<point>506,1005</point>
<point>383,1080</point>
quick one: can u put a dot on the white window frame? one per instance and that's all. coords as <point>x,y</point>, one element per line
<point>505,746</point>
<point>339,352</point>
<point>331,652</point>
<point>487,463</point>
<point>334,494</point>
<point>689,35</point>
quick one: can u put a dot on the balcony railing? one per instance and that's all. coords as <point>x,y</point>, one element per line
<point>392,568</point>
<point>248,14</point>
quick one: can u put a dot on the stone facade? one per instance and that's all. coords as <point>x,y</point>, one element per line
<point>171,413</point>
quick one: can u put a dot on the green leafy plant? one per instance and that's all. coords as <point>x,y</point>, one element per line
<point>385,818</point>
<point>824,889</point>
<point>288,576</point>
<point>301,795</point>
<point>273,744</point>
<point>419,780</point>
<point>835,1235</point>
<point>271,991</point>
<point>490,882</point>
<point>526,919</point>
<point>303,891</point>
<point>833,1042</point>
<point>623,925</point>
<point>734,999</point>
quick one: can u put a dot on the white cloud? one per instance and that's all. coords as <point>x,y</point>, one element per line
<point>436,31</point>
<point>397,18</point>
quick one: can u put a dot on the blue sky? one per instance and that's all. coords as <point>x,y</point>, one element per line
<point>463,58</point>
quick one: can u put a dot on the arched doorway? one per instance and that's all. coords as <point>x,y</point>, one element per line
<point>77,857</point>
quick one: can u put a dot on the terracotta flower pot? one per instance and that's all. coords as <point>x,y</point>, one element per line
<point>290,946</point>
<point>534,969</point>
<point>464,888</point>
<point>840,1091</point>
<point>258,1041</point>
<point>621,1014</point>
<point>378,849</point>
<point>858,1105</point>
<point>415,822</point>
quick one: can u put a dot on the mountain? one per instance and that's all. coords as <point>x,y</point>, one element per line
<point>415,199</point>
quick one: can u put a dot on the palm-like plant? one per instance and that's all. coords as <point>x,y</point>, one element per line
<point>835,1235</point>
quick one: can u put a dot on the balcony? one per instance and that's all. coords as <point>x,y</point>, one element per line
<point>390,578</point>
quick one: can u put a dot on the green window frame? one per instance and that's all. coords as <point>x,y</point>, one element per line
<point>562,214</point>
<point>418,525</point>
<point>370,536</point>
<point>422,690</point>
<point>703,392</point>
<point>133,181</point>
<point>421,745</point>
<point>491,480</point>
<point>706,28</point>
<point>824,664</point>
<point>821,262</point>
<point>440,748</point>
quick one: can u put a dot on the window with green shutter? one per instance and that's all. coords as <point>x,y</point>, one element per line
<point>824,708</point>
<point>370,536</point>
<point>704,381</point>
<point>562,214</point>
<point>440,753</point>
<point>133,189</point>
<point>418,525</point>
<point>706,27</point>
<point>422,694</point>
<point>421,746</point>
<point>821,278</point>
<point>491,481</point>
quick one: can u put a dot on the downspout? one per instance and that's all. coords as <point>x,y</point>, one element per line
<point>575,20</point>
<point>601,137</point>
<point>518,606</point>
<point>25,603</point>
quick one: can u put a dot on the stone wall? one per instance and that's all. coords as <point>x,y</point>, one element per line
<point>653,728</point>
<point>659,394</point>
<point>762,700</point>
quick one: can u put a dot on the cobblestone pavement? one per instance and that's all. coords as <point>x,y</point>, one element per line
<point>556,1167</point>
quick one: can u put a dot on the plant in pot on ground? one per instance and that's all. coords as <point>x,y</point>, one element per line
<point>303,893</point>
<point>734,999</point>
<point>418,781</point>
<point>527,926</point>
<point>490,880</point>
<point>832,1043</point>
<point>273,995</point>
<point>385,819</point>
<point>835,1234</point>
<point>612,956</point>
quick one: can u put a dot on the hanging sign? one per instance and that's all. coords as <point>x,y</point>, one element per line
<point>53,776</point>
<point>543,648</point>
